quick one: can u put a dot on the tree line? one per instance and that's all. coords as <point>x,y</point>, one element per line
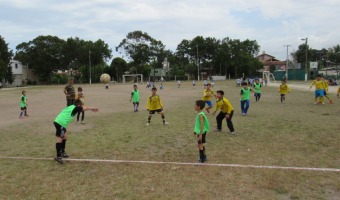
<point>140,53</point>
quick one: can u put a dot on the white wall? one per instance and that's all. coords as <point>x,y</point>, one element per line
<point>16,67</point>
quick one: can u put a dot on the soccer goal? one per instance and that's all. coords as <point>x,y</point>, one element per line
<point>268,76</point>
<point>133,78</point>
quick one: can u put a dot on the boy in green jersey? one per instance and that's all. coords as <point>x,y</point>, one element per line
<point>257,88</point>
<point>245,98</point>
<point>201,128</point>
<point>23,105</point>
<point>135,98</point>
<point>61,122</point>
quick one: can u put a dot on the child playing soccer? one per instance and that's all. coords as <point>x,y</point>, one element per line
<point>201,128</point>
<point>227,112</point>
<point>135,98</point>
<point>257,88</point>
<point>61,122</point>
<point>283,89</point>
<point>81,97</point>
<point>319,89</point>
<point>338,93</point>
<point>23,105</point>
<point>325,91</point>
<point>154,104</point>
<point>207,96</point>
<point>245,98</point>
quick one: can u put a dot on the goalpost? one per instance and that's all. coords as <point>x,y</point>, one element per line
<point>267,75</point>
<point>138,76</point>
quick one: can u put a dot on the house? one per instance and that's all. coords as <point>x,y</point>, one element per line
<point>269,60</point>
<point>21,74</point>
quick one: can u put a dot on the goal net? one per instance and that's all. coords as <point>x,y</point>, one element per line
<point>133,78</point>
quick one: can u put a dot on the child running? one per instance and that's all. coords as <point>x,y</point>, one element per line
<point>23,105</point>
<point>61,122</point>
<point>227,112</point>
<point>81,97</point>
<point>135,97</point>
<point>154,104</point>
<point>338,93</point>
<point>200,130</point>
<point>245,98</point>
<point>325,91</point>
<point>319,89</point>
<point>257,88</point>
<point>283,89</point>
<point>207,96</point>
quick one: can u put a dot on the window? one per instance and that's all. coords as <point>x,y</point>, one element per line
<point>16,66</point>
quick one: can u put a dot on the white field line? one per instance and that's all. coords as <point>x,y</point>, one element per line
<point>183,163</point>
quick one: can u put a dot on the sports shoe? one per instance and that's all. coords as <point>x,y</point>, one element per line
<point>204,159</point>
<point>21,117</point>
<point>232,132</point>
<point>82,122</point>
<point>59,160</point>
<point>244,114</point>
<point>165,123</point>
<point>331,101</point>
<point>217,130</point>
<point>26,115</point>
<point>148,124</point>
<point>64,155</point>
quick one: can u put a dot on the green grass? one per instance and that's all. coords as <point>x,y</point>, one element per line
<point>295,133</point>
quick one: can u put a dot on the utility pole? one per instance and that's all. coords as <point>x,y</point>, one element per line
<point>287,61</point>
<point>198,66</point>
<point>306,65</point>
<point>90,64</point>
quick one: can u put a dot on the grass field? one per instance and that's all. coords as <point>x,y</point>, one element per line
<point>296,133</point>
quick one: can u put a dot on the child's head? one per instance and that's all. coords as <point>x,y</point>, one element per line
<point>78,103</point>
<point>199,105</point>
<point>319,76</point>
<point>80,89</point>
<point>283,82</point>
<point>71,80</point>
<point>219,94</point>
<point>135,86</point>
<point>208,86</point>
<point>23,92</point>
<point>154,90</point>
<point>256,81</point>
<point>244,84</point>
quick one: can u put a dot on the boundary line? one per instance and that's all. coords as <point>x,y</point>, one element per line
<point>182,163</point>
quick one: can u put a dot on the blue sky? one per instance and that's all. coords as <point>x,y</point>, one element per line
<point>272,24</point>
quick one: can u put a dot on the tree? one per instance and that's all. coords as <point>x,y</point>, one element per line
<point>5,57</point>
<point>117,68</point>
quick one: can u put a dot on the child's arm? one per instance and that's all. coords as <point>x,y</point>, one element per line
<point>93,109</point>
<point>312,84</point>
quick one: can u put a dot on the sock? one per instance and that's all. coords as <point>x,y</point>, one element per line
<point>163,119</point>
<point>21,114</point>
<point>63,144</point>
<point>58,149</point>
<point>204,150</point>
<point>201,155</point>
<point>25,112</point>
<point>149,119</point>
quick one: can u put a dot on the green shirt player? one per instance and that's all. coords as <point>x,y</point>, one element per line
<point>61,122</point>
<point>23,105</point>
<point>135,98</point>
<point>245,98</point>
<point>257,88</point>
<point>201,128</point>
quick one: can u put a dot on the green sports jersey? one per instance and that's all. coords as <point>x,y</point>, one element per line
<point>65,116</point>
<point>245,94</point>
<point>197,128</point>
<point>135,96</point>
<point>23,101</point>
<point>257,87</point>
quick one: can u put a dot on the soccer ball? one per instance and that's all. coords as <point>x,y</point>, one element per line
<point>105,78</point>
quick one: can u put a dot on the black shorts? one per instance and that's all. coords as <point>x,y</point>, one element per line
<point>23,108</point>
<point>151,112</point>
<point>282,95</point>
<point>203,139</point>
<point>324,93</point>
<point>60,131</point>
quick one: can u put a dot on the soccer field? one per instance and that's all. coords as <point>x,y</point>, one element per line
<point>295,134</point>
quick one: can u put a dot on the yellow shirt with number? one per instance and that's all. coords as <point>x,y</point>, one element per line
<point>284,89</point>
<point>206,95</point>
<point>319,85</point>
<point>154,103</point>
<point>224,105</point>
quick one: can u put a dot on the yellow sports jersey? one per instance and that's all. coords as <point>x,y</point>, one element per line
<point>284,89</point>
<point>154,103</point>
<point>224,105</point>
<point>338,90</point>
<point>325,84</point>
<point>206,95</point>
<point>319,85</point>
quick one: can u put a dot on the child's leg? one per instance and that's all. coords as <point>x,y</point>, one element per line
<point>21,113</point>
<point>78,114</point>
<point>134,106</point>
<point>281,97</point>
<point>219,119</point>
<point>25,111</point>
<point>149,117</point>
<point>82,115</point>
<point>230,123</point>
<point>242,106</point>
<point>163,117</point>
<point>246,107</point>
<point>137,105</point>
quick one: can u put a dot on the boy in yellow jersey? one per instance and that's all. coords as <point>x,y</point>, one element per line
<point>23,105</point>
<point>319,89</point>
<point>207,96</point>
<point>283,89</point>
<point>325,91</point>
<point>227,112</point>
<point>338,93</point>
<point>154,104</point>
<point>201,128</point>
